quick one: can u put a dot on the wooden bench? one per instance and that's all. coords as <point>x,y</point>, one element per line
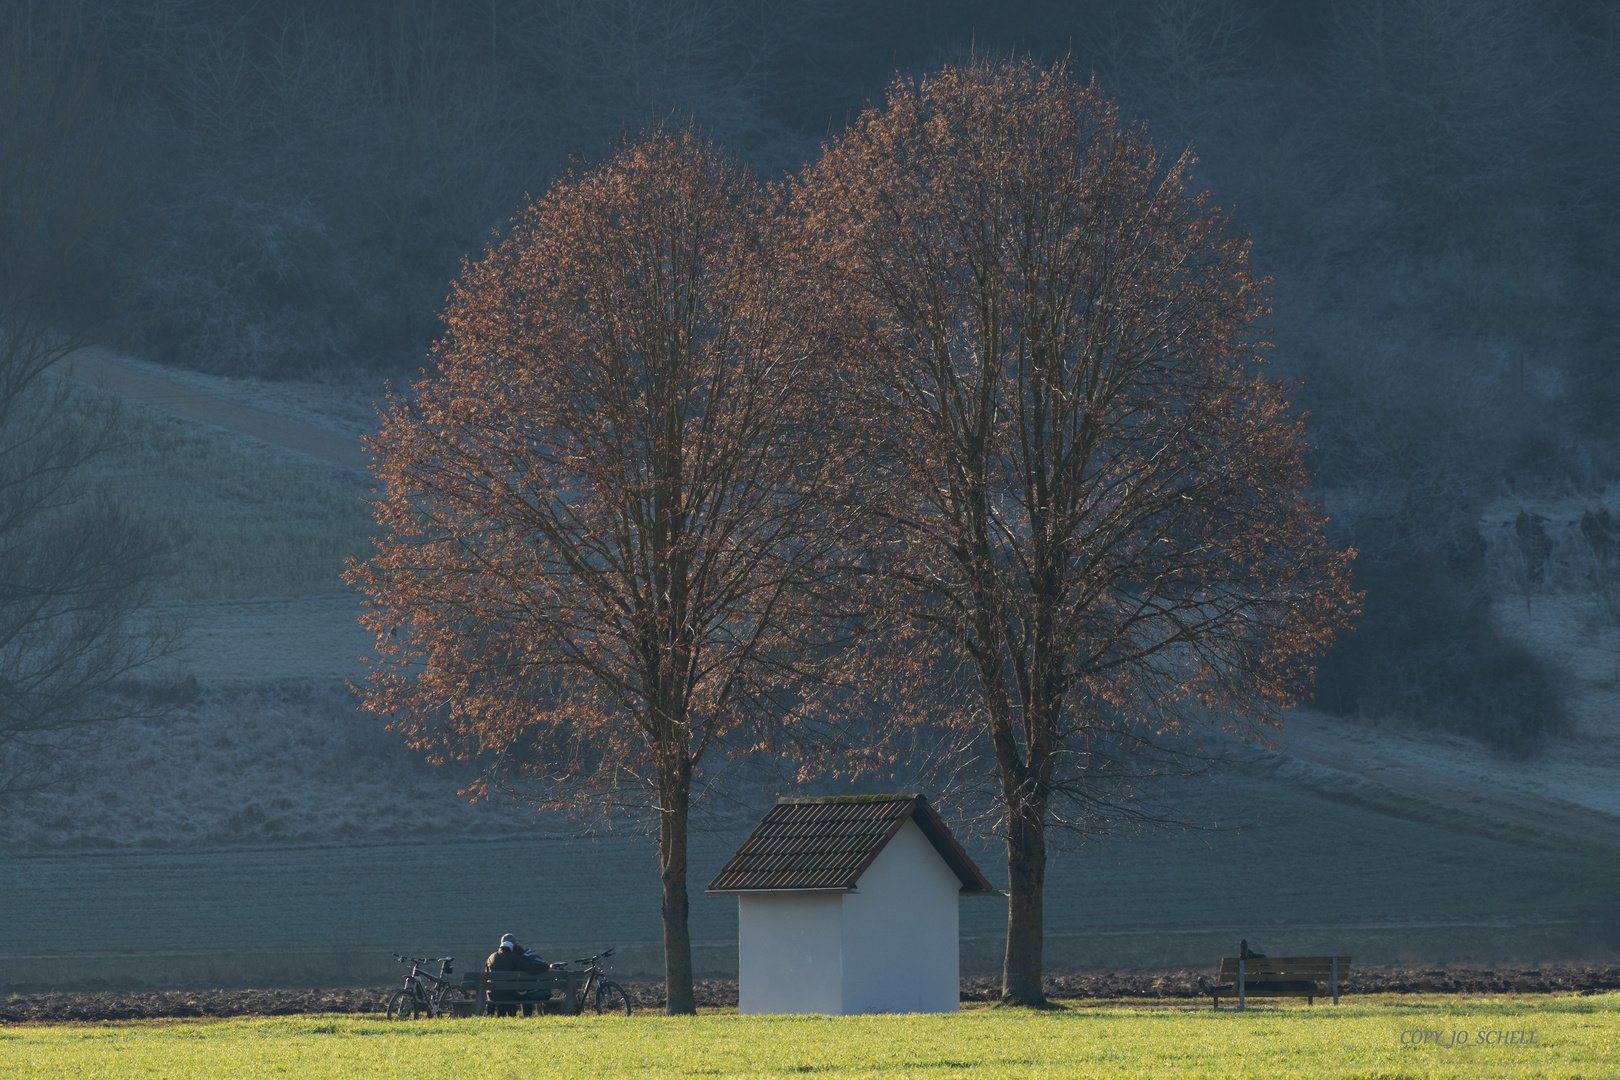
<point>1271,976</point>
<point>564,987</point>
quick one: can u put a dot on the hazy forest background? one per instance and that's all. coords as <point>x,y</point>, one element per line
<point>1432,185</point>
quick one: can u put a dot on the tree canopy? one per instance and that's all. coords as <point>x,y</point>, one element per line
<point>604,513</point>
<point>1094,501</point>
<point>986,384</point>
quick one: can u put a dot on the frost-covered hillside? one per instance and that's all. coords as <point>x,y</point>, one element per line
<point>281,765</point>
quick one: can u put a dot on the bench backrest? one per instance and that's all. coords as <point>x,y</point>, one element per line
<point>1265,968</point>
<point>524,980</point>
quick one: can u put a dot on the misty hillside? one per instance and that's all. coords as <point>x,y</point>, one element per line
<point>281,194</point>
<point>1430,184</point>
<point>274,765</point>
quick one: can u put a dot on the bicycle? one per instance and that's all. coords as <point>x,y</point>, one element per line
<point>604,994</point>
<point>424,992</point>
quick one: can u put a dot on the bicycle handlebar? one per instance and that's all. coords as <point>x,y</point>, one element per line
<point>599,956</point>
<point>422,959</point>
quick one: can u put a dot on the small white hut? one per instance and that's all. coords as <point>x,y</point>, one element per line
<point>849,905</point>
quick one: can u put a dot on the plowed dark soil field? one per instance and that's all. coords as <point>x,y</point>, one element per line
<point>720,993</point>
<point>1548,979</point>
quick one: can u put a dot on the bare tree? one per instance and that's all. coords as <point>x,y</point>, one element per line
<point>1096,506</point>
<point>76,569</point>
<point>1179,60</point>
<point>602,517</point>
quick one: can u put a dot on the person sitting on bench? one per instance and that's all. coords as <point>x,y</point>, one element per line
<point>511,956</point>
<point>1279,984</point>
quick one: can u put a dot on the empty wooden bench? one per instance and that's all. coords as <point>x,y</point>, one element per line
<point>1278,976</point>
<point>564,987</point>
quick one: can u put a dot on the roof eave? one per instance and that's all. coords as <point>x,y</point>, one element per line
<point>911,807</point>
<point>950,850</point>
<point>834,890</point>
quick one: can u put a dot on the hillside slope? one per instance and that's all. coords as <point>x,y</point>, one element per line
<point>1572,787</point>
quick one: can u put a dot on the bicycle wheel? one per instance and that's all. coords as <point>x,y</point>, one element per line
<point>611,998</point>
<point>403,1006</point>
<point>451,994</point>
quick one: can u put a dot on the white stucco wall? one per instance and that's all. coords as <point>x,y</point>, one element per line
<point>890,946</point>
<point>789,953</point>
<point>900,931</point>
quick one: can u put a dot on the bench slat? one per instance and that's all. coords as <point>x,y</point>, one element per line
<point>1325,974</point>
<point>508,979</point>
<point>1323,960</point>
<point>490,982</point>
<point>1229,965</point>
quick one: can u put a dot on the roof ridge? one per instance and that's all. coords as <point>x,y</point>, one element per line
<point>801,800</point>
<point>824,844</point>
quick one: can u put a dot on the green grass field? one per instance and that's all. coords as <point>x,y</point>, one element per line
<point>1572,1037</point>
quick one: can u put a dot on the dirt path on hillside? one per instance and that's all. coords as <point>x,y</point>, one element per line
<point>1309,739</point>
<point>195,403</point>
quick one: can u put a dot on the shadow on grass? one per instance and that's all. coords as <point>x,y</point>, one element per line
<point>1045,1005</point>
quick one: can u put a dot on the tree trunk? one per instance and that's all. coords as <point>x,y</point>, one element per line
<point>680,1000</point>
<point>1026,881</point>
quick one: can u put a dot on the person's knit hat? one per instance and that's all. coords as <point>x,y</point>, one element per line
<point>508,942</point>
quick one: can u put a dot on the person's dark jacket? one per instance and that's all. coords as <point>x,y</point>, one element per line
<point>516,959</point>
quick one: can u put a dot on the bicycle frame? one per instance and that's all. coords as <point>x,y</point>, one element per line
<point>429,996</point>
<point>594,974</point>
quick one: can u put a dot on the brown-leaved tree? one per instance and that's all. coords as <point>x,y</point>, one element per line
<point>1095,503</point>
<point>603,515</point>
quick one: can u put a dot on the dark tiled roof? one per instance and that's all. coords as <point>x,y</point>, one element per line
<point>826,844</point>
